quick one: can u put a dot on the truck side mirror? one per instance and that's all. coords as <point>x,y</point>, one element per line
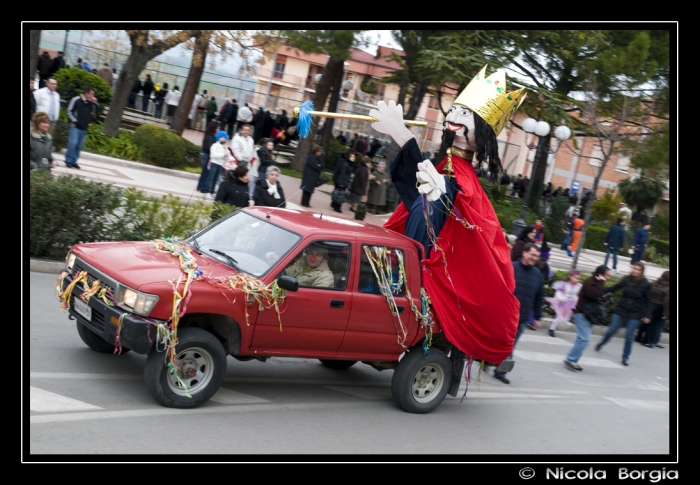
<point>288,283</point>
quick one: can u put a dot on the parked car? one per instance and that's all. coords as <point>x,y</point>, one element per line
<point>223,291</point>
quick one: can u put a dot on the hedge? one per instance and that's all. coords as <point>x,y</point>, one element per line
<point>160,146</point>
<point>66,210</point>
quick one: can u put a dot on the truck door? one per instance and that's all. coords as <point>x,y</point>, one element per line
<point>372,330</point>
<point>314,318</point>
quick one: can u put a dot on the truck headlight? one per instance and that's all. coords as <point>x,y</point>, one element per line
<point>140,303</point>
<point>70,259</point>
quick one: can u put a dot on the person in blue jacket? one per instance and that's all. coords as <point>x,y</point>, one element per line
<point>614,241</point>
<point>639,243</point>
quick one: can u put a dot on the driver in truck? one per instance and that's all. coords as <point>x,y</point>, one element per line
<point>312,268</point>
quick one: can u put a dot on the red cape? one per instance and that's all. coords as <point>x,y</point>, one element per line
<point>474,302</point>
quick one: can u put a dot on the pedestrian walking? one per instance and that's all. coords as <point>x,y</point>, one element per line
<point>208,140</point>
<point>517,183</point>
<point>527,235</point>
<point>342,176</point>
<point>359,185</point>
<point>639,243</point>
<point>378,186</point>
<point>632,309</point>
<point>529,291</point>
<point>80,110</point>
<point>217,154</point>
<point>40,145</point>
<point>614,241</point>
<point>658,312</point>
<point>312,170</point>
<point>576,226</point>
<point>591,293</point>
<point>233,190</point>
<point>564,300</point>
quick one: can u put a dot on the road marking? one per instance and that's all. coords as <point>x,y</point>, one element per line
<point>363,392</point>
<point>544,340</point>
<point>639,404</point>
<point>545,357</point>
<point>80,375</point>
<point>635,384</point>
<point>205,409</point>
<point>48,402</point>
<point>227,396</point>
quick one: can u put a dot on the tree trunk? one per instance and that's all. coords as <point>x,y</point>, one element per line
<point>199,57</point>
<point>416,100</point>
<point>537,177</point>
<point>333,69</point>
<point>333,108</point>
<point>34,41</point>
<point>133,67</point>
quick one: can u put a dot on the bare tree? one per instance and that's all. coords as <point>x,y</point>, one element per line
<point>611,121</point>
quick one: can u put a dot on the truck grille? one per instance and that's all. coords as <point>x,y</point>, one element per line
<point>93,275</point>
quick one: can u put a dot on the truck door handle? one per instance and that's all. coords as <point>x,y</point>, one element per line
<point>337,303</point>
<point>400,308</point>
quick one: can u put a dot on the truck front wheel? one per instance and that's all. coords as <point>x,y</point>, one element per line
<point>201,360</point>
<point>421,381</point>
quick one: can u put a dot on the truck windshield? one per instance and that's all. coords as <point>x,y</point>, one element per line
<point>246,243</point>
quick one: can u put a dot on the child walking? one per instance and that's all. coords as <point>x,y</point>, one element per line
<point>564,300</point>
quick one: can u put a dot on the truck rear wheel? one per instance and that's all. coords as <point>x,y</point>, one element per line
<point>338,364</point>
<point>95,342</point>
<point>201,359</point>
<point>421,381</point>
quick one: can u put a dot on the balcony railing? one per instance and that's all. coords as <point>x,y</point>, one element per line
<point>264,75</point>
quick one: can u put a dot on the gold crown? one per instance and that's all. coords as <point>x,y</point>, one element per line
<point>487,97</point>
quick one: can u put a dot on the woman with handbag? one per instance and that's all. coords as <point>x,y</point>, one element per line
<point>341,178</point>
<point>632,308</point>
<point>312,170</point>
<point>591,293</point>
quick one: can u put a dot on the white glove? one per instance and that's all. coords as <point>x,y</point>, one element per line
<point>431,182</point>
<point>390,121</point>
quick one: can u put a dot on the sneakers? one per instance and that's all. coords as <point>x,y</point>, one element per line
<point>624,362</point>
<point>659,346</point>
<point>503,379</point>
<point>598,347</point>
<point>72,165</point>
<point>211,196</point>
<point>551,333</point>
<point>572,366</point>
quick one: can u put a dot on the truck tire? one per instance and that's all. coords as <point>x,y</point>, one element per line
<point>338,364</point>
<point>421,381</point>
<point>95,342</point>
<point>202,361</point>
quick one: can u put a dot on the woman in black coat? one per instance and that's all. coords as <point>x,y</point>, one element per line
<point>265,156</point>
<point>268,191</point>
<point>234,188</point>
<point>360,183</point>
<point>313,168</point>
<point>632,308</point>
<point>341,176</point>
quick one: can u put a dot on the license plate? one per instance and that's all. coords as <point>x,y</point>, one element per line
<point>82,308</point>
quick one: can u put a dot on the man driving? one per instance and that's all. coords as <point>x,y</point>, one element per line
<point>312,268</point>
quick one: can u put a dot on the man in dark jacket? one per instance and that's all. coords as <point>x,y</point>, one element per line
<point>57,63</point>
<point>134,93</point>
<point>614,240</point>
<point>80,111</point>
<point>505,179</point>
<point>232,114</point>
<point>639,243</point>
<point>529,290</point>
<point>44,68</point>
<point>517,183</point>
<point>147,90</point>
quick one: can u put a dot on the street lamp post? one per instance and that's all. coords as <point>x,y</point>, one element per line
<point>541,130</point>
<point>65,45</point>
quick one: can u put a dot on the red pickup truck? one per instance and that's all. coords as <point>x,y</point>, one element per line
<point>263,283</point>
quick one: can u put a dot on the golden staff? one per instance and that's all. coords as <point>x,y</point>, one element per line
<point>343,116</point>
